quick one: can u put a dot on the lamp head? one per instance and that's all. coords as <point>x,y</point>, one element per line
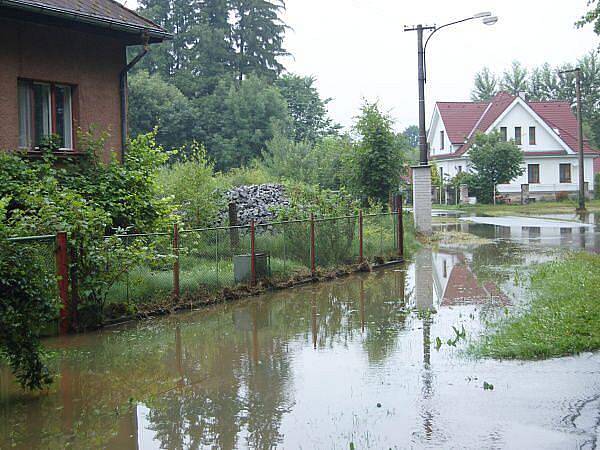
<point>491,20</point>
<point>482,14</point>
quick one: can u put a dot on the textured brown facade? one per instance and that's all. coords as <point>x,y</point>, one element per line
<point>90,62</point>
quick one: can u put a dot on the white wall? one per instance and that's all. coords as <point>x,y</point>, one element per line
<point>450,166</point>
<point>518,116</point>
<point>435,143</point>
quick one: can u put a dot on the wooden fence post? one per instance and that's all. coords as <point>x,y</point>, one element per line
<point>62,270</point>
<point>176,262</point>
<point>360,237</point>
<point>400,229</point>
<point>252,253</point>
<point>313,265</point>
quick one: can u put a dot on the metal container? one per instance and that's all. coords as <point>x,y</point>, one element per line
<point>242,267</point>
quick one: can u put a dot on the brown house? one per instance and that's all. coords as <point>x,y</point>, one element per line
<point>63,66</point>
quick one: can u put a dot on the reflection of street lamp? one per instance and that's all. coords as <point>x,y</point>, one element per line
<point>421,179</point>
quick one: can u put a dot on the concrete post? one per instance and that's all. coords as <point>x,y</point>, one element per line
<point>464,194</point>
<point>524,194</point>
<point>422,198</point>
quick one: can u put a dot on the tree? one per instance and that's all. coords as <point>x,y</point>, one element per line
<point>486,85</point>
<point>493,161</point>
<point>411,134</point>
<point>155,103</point>
<point>515,79</point>
<point>239,119</point>
<point>257,35</point>
<point>307,108</point>
<point>377,160</point>
<point>592,16</point>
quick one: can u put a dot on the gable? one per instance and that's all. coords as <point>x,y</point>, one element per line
<point>546,140</point>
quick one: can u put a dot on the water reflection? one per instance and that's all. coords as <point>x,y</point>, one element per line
<point>307,368</point>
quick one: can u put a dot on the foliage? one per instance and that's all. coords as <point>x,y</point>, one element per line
<point>486,85</point>
<point>377,161</point>
<point>27,304</point>
<point>156,103</point>
<point>88,199</point>
<point>411,134</point>
<point>308,110</point>
<point>191,183</point>
<point>597,186</point>
<point>238,121</point>
<point>514,80</point>
<point>285,158</point>
<point>592,16</point>
<point>493,161</point>
<point>254,173</point>
<point>562,318</point>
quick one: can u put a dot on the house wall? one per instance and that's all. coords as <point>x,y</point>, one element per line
<point>90,62</point>
<point>450,166</point>
<point>518,116</point>
<point>434,140</point>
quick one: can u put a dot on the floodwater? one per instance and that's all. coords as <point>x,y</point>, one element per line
<point>323,366</point>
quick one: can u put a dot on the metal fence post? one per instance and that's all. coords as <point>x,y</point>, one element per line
<point>62,270</point>
<point>360,236</point>
<point>176,262</point>
<point>400,229</point>
<point>313,267</point>
<point>252,253</point>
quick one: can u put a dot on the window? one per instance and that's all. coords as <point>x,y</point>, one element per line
<point>45,109</point>
<point>533,173</point>
<point>503,133</point>
<point>518,135</point>
<point>565,173</point>
<point>459,169</point>
<point>442,143</point>
<point>531,135</point>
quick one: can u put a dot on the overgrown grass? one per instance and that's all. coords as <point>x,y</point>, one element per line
<point>562,319</point>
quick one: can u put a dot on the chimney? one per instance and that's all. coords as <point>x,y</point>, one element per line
<point>523,95</point>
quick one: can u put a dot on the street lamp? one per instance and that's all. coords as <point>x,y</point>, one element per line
<point>577,72</point>
<point>421,179</point>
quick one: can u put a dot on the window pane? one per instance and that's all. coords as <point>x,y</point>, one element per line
<point>518,135</point>
<point>533,172</point>
<point>531,135</point>
<point>43,118</point>
<point>63,116</point>
<point>565,173</point>
<point>503,133</point>
<point>23,93</point>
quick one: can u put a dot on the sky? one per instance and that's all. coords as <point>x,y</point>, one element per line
<point>356,49</point>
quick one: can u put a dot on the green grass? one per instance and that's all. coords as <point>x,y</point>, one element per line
<point>542,207</point>
<point>562,319</point>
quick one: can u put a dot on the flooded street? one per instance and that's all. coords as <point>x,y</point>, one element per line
<point>378,360</point>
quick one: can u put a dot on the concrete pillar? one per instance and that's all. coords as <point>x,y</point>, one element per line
<point>424,280</point>
<point>524,194</point>
<point>422,198</point>
<point>464,194</point>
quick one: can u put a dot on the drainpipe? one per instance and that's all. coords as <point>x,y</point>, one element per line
<point>123,93</point>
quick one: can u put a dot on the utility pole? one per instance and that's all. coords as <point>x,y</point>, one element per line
<point>581,204</point>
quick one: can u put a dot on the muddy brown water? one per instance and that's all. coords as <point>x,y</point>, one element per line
<point>351,361</point>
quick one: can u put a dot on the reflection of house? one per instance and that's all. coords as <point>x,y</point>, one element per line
<point>546,132</point>
<point>456,284</point>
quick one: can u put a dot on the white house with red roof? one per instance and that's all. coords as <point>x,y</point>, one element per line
<point>545,131</point>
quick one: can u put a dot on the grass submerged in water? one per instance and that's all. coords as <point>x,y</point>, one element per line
<point>562,319</point>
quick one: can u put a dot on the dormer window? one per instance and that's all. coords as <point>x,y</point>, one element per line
<point>442,140</point>
<point>531,135</point>
<point>518,135</point>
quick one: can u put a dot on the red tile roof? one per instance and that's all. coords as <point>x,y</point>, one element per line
<point>463,120</point>
<point>98,12</point>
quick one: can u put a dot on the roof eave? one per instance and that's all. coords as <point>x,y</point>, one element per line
<point>154,34</point>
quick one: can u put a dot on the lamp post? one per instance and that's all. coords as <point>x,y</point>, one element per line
<point>422,172</point>
<point>581,205</point>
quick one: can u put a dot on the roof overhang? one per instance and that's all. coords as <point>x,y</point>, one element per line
<point>155,35</point>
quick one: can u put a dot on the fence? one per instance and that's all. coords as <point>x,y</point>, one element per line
<point>193,263</point>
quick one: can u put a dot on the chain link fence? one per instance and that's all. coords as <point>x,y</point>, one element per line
<point>198,263</point>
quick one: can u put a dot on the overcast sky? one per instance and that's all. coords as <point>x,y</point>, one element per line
<point>357,48</point>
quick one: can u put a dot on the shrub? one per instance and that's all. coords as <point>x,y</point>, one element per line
<point>597,186</point>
